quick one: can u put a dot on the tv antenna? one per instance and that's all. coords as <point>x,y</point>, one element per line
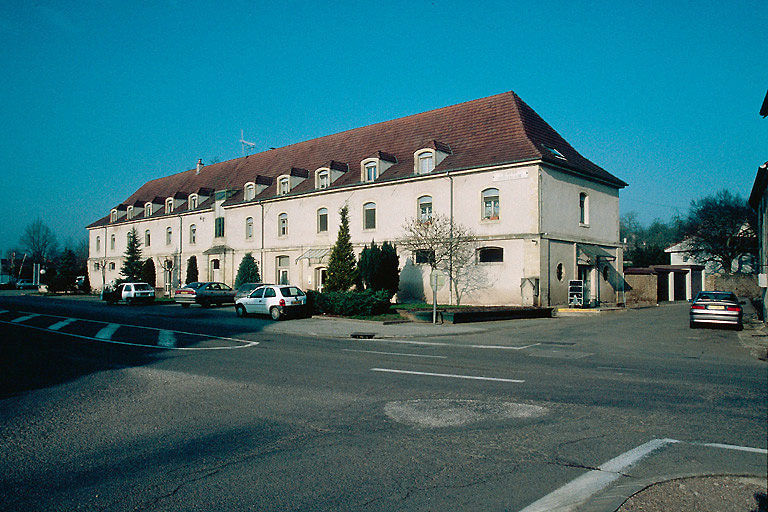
<point>250,145</point>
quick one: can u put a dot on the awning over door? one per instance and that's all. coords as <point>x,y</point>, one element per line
<point>315,255</point>
<point>592,254</point>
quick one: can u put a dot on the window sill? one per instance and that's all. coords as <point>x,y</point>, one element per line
<point>490,220</point>
<point>583,225</point>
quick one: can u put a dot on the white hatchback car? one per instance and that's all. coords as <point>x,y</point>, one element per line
<point>276,301</point>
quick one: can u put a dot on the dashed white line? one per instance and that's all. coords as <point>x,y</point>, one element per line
<point>394,353</point>
<point>63,323</point>
<point>734,447</point>
<point>447,375</point>
<point>107,332</point>
<point>23,318</point>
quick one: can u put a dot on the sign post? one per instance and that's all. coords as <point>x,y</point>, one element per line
<point>436,281</point>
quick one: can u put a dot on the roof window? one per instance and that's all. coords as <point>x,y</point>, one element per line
<point>553,151</point>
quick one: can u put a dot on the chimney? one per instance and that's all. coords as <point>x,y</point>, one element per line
<point>199,165</point>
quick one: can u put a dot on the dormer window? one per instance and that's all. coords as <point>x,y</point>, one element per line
<point>113,215</point>
<point>249,192</point>
<point>130,212</point>
<point>371,171</point>
<point>148,209</point>
<point>426,159</point>
<point>284,185</point>
<point>425,162</point>
<point>323,179</point>
<point>192,201</point>
<point>169,205</point>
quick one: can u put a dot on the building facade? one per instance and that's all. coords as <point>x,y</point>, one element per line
<point>543,213</point>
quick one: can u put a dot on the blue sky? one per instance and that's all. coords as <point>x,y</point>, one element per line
<point>99,97</point>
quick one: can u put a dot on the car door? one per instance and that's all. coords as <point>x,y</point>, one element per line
<point>252,302</point>
<point>269,299</point>
<point>126,292</point>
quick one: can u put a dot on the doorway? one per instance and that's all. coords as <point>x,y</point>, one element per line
<point>321,274</point>
<point>585,276</point>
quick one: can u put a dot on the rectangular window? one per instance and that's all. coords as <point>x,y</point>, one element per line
<point>192,234</point>
<point>490,254</point>
<point>370,172</point>
<point>322,220</point>
<point>491,204</point>
<point>426,163</point>
<point>424,256</point>
<point>369,216</point>
<point>282,269</point>
<point>284,186</point>
<point>323,181</point>
<point>218,228</point>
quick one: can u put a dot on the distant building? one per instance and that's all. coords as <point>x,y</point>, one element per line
<point>544,213</point>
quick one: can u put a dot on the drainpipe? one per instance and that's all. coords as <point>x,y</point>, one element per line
<point>261,252</point>
<point>181,245</point>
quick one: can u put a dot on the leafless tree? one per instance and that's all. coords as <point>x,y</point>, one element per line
<point>444,247</point>
<point>38,241</point>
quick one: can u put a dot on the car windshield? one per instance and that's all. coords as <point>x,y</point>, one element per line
<point>142,286</point>
<point>716,296</point>
<point>291,291</point>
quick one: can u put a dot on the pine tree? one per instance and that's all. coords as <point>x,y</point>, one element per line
<point>191,270</point>
<point>148,273</point>
<point>342,270</point>
<point>248,272</point>
<point>368,266</point>
<point>131,268</point>
<point>389,271</point>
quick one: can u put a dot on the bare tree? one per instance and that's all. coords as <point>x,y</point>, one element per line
<point>39,241</point>
<point>444,247</point>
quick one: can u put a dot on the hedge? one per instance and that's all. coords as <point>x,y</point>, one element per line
<point>365,303</point>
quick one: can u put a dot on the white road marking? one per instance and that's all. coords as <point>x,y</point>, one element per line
<point>575,493</point>
<point>243,343</point>
<point>23,318</point>
<point>734,447</point>
<point>441,344</point>
<point>578,491</point>
<point>59,325</point>
<point>107,332</point>
<point>393,353</point>
<point>166,339</point>
<point>448,375</point>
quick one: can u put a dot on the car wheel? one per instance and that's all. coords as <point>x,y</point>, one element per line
<point>129,301</point>
<point>241,312</point>
<point>185,305</point>
<point>204,303</point>
<point>274,312</point>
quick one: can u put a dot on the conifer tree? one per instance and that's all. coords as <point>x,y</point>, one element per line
<point>389,271</point>
<point>248,272</point>
<point>131,268</point>
<point>342,269</point>
<point>192,275</point>
<point>148,273</point>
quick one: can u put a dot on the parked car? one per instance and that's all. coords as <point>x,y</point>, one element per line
<point>716,308</point>
<point>276,301</point>
<point>245,289</point>
<point>25,284</point>
<point>206,294</point>
<point>131,293</point>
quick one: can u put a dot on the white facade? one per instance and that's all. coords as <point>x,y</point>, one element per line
<point>546,218</point>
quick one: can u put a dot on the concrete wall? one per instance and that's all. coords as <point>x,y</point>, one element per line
<point>641,289</point>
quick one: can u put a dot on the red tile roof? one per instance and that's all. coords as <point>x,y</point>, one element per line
<point>489,131</point>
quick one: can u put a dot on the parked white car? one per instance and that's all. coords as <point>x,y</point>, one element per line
<point>131,293</point>
<point>276,301</point>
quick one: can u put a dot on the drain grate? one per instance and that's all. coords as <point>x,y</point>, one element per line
<point>363,335</point>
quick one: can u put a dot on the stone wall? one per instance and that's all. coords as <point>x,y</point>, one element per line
<point>744,286</point>
<point>641,288</point>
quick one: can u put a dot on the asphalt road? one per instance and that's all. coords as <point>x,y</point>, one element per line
<point>161,408</point>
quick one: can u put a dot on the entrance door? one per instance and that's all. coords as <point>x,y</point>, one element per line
<point>321,274</point>
<point>215,270</point>
<point>585,276</point>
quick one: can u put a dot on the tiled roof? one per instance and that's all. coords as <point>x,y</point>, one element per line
<point>489,131</point>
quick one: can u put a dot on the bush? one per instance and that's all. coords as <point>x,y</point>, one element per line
<point>365,303</point>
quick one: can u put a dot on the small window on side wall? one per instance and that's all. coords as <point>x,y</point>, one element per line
<point>424,256</point>
<point>583,208</point>
<point>490,255</point>
<point>282,224</point>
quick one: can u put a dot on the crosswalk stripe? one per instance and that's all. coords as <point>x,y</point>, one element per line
<point>166,339</point>
<point>107,332</point>
<point>23,318</point>
<point>59,325</point>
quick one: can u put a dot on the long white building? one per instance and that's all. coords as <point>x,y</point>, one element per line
<point>544,214</point>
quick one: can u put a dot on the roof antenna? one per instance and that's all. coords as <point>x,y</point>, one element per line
<point>246,144</point>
